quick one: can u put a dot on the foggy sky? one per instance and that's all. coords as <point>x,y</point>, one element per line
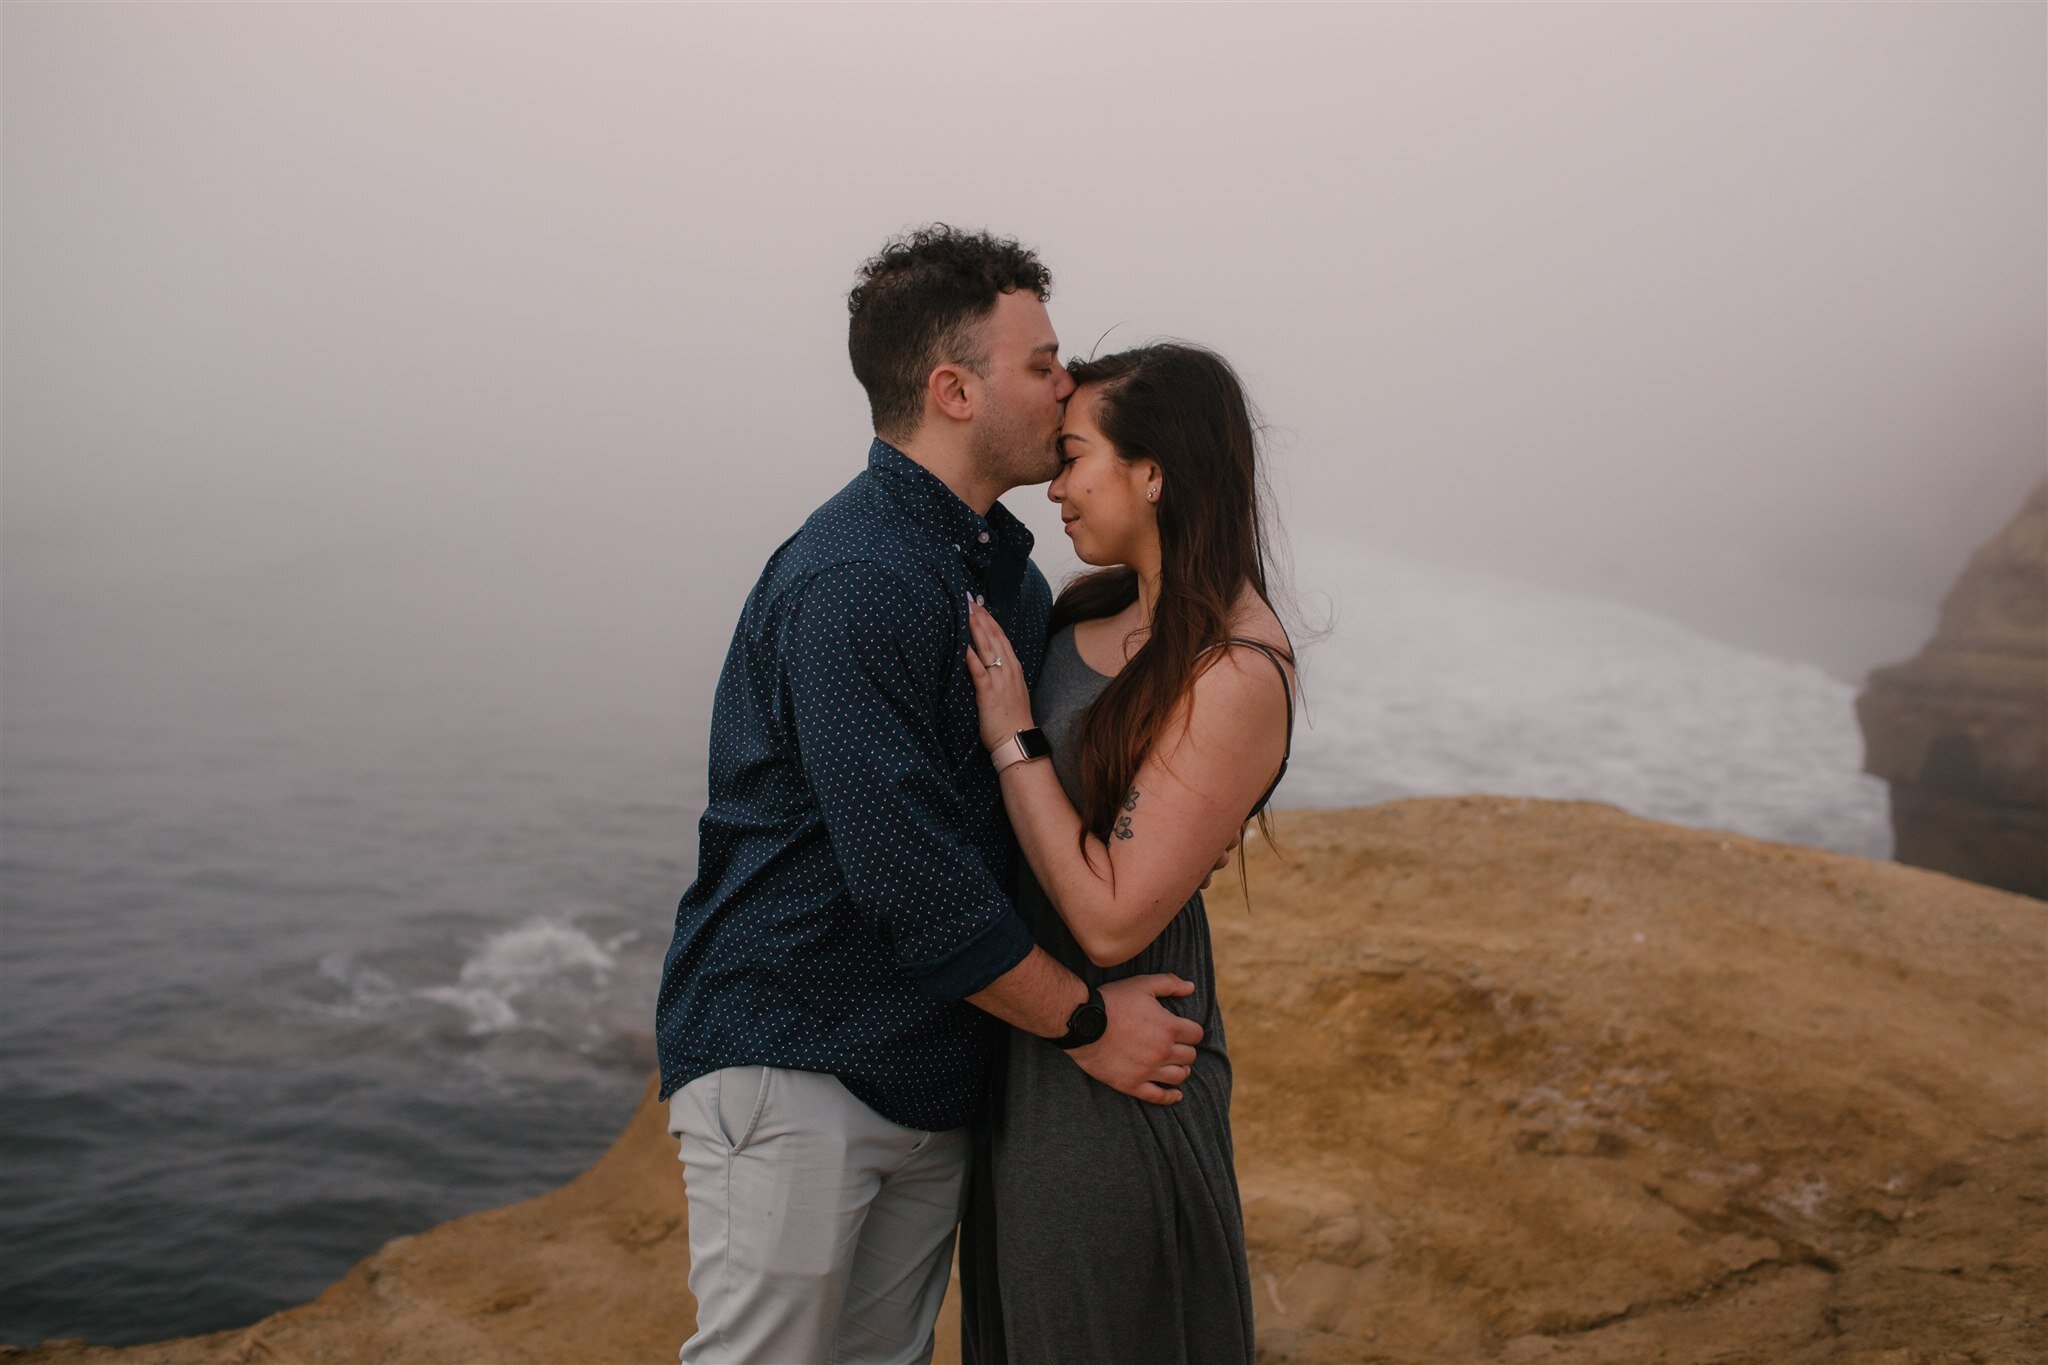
<point>1733,312</point>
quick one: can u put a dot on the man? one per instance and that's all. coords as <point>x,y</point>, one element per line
<point>828,1003</point>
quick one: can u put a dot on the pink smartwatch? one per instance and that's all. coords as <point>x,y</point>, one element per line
<point>1021,747</point>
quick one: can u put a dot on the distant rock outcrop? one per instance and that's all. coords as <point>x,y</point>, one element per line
<point>1961,730</point>
<point>1517,1081</point>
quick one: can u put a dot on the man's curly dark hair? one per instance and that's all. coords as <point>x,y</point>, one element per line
<point>917,305</point>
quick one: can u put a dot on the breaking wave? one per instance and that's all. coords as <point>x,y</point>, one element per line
<point>539,956</point>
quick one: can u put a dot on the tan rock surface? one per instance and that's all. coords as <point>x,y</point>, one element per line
<point>1543,1081</point>
<point>1518,1081</point>
<point>1961,729</point>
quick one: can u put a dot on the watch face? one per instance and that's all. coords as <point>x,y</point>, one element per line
<point>1034,743</point>
<point>1087,1023</point>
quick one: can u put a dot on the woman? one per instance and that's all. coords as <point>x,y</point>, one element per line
<point>1104,1228</point>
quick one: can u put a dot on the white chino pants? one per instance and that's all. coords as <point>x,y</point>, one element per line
<point>820,1232</point>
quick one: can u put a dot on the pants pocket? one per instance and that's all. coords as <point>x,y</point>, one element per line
<point>741,1100</point>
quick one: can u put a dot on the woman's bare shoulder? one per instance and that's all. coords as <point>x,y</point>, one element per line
<point>1252,618</point>
<point>1239,675</point>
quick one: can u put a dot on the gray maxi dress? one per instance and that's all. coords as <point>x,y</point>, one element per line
<point>1101,1228</point>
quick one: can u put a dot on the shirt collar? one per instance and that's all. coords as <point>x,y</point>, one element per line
<point>938,509</point>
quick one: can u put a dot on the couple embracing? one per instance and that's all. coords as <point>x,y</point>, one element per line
<point>946,954</point>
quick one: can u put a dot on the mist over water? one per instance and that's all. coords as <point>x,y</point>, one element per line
<point>398,403</point>
<point>1433,680</point>
<point>290,972</point>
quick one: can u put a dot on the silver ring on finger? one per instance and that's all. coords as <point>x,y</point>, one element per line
<point>995,663</point>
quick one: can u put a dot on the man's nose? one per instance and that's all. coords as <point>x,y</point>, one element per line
<point>1066,385</point>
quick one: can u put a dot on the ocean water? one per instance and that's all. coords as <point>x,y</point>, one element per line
<point>303,950</point>
<point>1434,680</point>
<point>308,943</point>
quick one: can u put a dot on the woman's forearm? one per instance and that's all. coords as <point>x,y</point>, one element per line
<point>1082,889</point>
<point>1111,917</point>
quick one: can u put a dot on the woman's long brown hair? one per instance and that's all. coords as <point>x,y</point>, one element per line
<point>1183,407</point>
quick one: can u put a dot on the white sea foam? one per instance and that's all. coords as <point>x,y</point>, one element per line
<point>518,962</point>
<point>369,990</point>
<point>1443,681</point>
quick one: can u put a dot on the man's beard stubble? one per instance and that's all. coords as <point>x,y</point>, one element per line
<point>1008,454</point>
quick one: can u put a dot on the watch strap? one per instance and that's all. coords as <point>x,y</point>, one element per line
<point>1021,747</point>
<point>1087,1024</point>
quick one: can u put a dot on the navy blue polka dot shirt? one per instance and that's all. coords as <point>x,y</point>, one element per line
<point>854,860</point>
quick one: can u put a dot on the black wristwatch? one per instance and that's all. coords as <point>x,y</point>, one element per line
<point>1087,1024</point>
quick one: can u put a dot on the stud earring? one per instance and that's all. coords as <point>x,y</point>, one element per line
<point>1151,495</point>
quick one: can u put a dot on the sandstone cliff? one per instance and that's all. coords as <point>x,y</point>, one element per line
<point>1961,730</point>
<point>1517,1081</point>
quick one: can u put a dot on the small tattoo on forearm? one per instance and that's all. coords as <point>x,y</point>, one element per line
<point>1123,823</point>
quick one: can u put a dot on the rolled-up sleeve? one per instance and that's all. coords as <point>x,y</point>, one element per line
<point>866,654</point>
